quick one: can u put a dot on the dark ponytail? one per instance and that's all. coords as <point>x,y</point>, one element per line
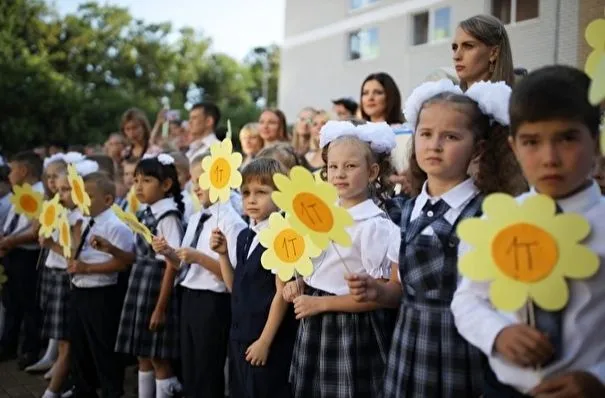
<point>152,167</point>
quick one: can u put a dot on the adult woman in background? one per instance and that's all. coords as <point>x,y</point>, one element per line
<point>272,127</point>
<point>481,51</point>
<point>301,133</point>
<point>381,99</point>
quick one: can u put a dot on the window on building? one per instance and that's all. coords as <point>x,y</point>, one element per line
<point>432,25</point>
<point>357,4</point>
<point>511,11</point>
<point>363,44</point>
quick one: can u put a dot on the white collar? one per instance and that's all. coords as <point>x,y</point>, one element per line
<point>105,215</point>
<point>580,202</point>
<point>455,197</point>
<point>38,186</point>
<point>365,210</point>
<point>257,227</point>
<point>162,206</point>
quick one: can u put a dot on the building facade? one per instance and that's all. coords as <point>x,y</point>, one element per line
<point>330,46</point>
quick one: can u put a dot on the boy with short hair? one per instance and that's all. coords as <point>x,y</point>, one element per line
<point>20,250</point>
<point>95,297</point>
<point>555,136</point>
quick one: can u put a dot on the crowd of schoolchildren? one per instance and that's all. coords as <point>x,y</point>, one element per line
<point>389,316</point>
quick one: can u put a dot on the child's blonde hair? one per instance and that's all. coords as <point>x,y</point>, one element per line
<point>382,188</point>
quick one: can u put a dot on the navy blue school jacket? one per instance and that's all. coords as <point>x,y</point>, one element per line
<point>251,297</point>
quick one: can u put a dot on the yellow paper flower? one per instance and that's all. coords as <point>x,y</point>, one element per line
<point>221,171</point>
<point>310,203</point>
<point>595,63</point>
<point>526,251</point>
<point>287,250</point>
<point>78,192</point>
<point>133,203</point>
<point>27,202</point>
<point>3,277</point>
<point>64,234</point>
<point>133,223</point>
<point>49,217</point>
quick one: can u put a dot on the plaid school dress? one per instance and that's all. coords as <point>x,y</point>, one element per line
<point>144,284</point>
<point>428,358</point>
<point>339,354</point>
<point>54,302</point>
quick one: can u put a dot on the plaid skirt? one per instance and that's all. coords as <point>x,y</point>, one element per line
<point>134,336</point>
<point>428,358</point>
<point>340,354</point>
<point>54,302</point>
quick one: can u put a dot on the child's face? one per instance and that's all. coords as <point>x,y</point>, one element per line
<point>349,171</point>
<point>129,174</point>
<point>183,175</point>
<point>202,194</point>
<point>99,202</point>
<point>149,189</point>
<point>52,174</point>
<point>257,201</point>
<point>64,190</point>
<point>18,174</point>
<point>251,144</point>
<point>599,172</point>
<point>556,156</point>
<point>444,144</point>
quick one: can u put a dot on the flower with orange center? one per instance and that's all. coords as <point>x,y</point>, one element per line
<point>49,217</point>
<point>287,251</point>
<point>526,251</point>
<point>78,192</point>
<point>221,171</point>
<point>64,234</point>
<point>27,202</point>
<point>311,203</point>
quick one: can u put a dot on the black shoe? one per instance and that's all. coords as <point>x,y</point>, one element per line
<point>26,359</point>
<point>7,355</point>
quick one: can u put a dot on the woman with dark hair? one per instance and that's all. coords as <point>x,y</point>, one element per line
<point>481,51</point>
<point>380,99</point>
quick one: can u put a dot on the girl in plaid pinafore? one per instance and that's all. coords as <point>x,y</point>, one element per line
<point>149,325</point>
<point>428,357</point>
<point>342,345</point>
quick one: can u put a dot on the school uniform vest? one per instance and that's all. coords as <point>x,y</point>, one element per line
<point>252,293</point>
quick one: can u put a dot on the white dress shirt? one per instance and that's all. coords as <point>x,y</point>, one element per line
<point>231,224</point>
<point>201,145</point>
<point>55,260</point>
<point>189,205</point>
<point>24,224</point>
<point>107,225</point>
<point>373,234</point>
<point>257,227</point>
<point>583,341</point>
<point>169,227</point>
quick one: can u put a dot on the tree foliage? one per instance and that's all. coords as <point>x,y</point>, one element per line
<point>70,77</point>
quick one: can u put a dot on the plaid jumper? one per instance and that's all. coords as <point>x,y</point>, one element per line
<point>144,284</point>
<point>428,358</point>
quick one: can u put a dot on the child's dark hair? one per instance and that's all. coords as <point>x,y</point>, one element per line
<point>152,167</point>
<point>103,182</point>
<point>262,170</point>
<point>31,160</point>
<point>553,93</point>
<point>382,188</point>
<point>498,170</point>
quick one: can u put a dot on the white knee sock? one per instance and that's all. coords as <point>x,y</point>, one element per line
<point>146,384</point>
<point>167,387</point>
<point>49,394</point>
